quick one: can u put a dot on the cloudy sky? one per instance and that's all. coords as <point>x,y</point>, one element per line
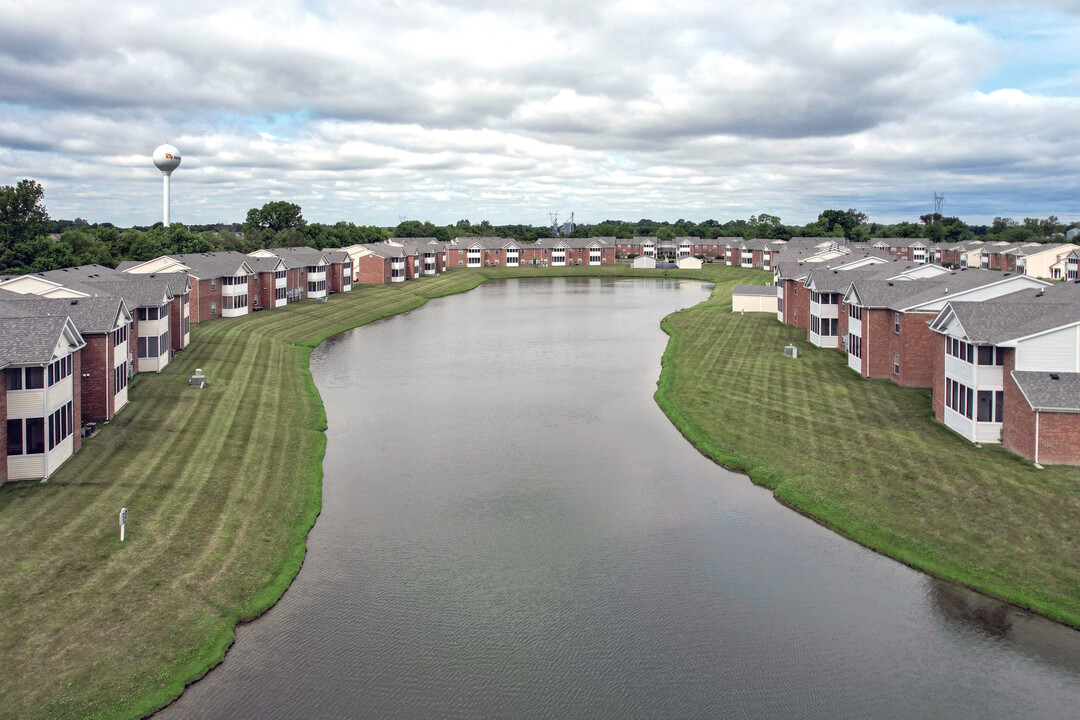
<point>506,111</point>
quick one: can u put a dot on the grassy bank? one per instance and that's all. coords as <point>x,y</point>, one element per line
<point>865,458</point>
<point>222,486</point>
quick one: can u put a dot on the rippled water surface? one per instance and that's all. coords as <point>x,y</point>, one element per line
<point>512,529</point>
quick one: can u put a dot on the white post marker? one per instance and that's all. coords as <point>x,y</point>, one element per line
<point>123,521</point>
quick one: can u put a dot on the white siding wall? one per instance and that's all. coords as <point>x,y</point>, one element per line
<point>958,423</point>
<point>1054,352</point>
<point>61,452</point>
<point>26,467</point>
<point>959,371</point>
<point>25,402</point>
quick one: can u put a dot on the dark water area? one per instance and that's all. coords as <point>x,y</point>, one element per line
<point>512,529</point>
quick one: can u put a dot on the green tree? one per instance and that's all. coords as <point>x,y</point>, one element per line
<point>23,216</point>
<point>850,222</point>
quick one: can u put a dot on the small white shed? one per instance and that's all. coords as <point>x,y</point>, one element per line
<point>753,298</point>
<point>689,263</point>
<point>645,262</point>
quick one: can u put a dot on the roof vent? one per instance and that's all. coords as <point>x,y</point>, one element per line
<point>74,302</point>
<point>1006,274</point>
<point>1055,376</point>
<point>890,284</point>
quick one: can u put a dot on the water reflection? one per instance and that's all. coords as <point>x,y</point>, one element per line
<point>511,528</point>
<point>967,612</point>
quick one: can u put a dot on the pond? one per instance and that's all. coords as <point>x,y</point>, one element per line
<point>512,528</point>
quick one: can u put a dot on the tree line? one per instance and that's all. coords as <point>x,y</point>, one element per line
<point>30,241</point>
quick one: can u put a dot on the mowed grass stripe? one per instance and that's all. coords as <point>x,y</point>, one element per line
<point>867,459</point>
<point>222,486</point>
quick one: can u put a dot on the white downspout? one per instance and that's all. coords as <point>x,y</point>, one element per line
<point>1037,440</point>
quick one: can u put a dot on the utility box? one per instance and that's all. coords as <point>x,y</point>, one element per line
<point>197,380</point>
<point>791,351</point>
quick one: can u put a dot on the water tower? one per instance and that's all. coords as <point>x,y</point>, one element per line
<point>167,159</point>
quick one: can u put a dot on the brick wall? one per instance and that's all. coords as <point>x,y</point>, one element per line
<point>917,345</point>
<point>96,363</point>
<point>1018,419</point>
<point>294,280</point>
<point>176,322</point>
<point>937,392</point>
<point>1059,438</point>
<point>801,318</point>
<point>133,340</point>
<point>1058,433</point>
<point>265,290</point>
<point>878,343</point>
<point>207,296</point>
<point>373,270</point>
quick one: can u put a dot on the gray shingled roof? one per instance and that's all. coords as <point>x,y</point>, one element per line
<point>1047,394</point>
<point>576,243</point>
<point>137,290</point>
<point>876,292</point>
<point>30,340</point>
<point>212,265</point>
<point>385,250</point>
<point>1016,315</point>
<point>91,315</point>
<point>756,290</point>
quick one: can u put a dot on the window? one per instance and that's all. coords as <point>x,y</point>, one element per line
<point>163,343</point>
<point>999,402</point>
<point>187,324</point>
<point>14,379</point>
<point>35,436</point>
<point>35,378</point>
<point>213,284</point>
<point>855,345</point>
<point>59,369</point>
<point>986,356</point>
<point>213,308</point>
<point>60,425</point>
<point>896,364</point>
<point>896,322</point>
<point>120,377</point>
<point>14,437</point>
<point>986,401</point>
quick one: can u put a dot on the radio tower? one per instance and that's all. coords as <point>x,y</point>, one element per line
<point>554,216</point>
<point>939,204</point>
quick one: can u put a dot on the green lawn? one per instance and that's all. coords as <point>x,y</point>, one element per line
<point>223,484</point>
<point>866,458</point>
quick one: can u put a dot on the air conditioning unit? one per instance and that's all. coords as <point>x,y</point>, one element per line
<point>791,351</point>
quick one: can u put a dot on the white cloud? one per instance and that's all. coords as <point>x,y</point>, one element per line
<point>443,110</point>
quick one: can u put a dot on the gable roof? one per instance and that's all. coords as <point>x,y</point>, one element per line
<point>32,340</point>
<point>91,315</point>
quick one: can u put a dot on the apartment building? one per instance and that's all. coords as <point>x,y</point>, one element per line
<point>1009,372</point>
<point>42,399</point>
<point>886,333</point>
